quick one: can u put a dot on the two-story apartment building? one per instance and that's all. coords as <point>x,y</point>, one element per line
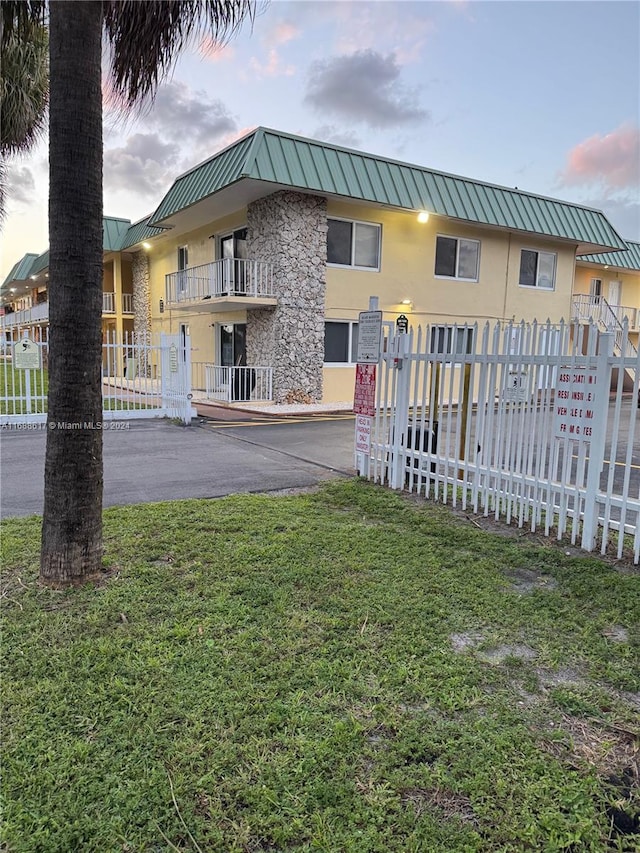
<point>266,253</point>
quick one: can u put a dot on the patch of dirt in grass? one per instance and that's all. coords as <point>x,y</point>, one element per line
<point>616,633</point>
<point>466,640</point>
<point>447,803</point>
<point>609,749</point>
<point>565,676</point>
<point>501,653</point>
<point>524,580</point>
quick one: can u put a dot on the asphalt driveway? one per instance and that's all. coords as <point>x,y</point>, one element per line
<point>156,460</point>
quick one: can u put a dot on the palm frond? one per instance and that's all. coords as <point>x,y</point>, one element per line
<point>24,86</point>
<point>145,37</point>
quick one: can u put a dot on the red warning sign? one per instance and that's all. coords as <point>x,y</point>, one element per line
<point>364,398</point>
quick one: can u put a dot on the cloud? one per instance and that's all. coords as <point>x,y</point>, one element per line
<point>612,160</point>
<point>145,165</point>
<point>216,51</point>
<point>282,33</point>
<point>363,87</point>
<point>330,133</point>
<point>21,184</point>
<point>272,68</point>
<point>181,114</point>
<point>383,26</point>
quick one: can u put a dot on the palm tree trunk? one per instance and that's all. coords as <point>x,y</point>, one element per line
<point>72,522</point>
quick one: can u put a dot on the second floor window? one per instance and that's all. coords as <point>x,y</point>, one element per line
<point>457,258</point>
<point>353,244</point>
<point>537,269</point>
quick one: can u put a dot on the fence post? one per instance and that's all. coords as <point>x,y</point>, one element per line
<point>598,440</point>
<point>402,347</point>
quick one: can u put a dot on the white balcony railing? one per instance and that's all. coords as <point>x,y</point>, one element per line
<point>127,303</point>
<point>586,307</point>
<point>227,277</point>
<point>26,317</point>
<point>238,384</point>
<point>108,304</point>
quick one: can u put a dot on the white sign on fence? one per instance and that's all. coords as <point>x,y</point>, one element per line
<point>369,337</point>
<point>363,434</point>
<point>577,398</point>
<point>26,355</point>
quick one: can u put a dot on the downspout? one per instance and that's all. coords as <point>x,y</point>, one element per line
<point>506,279</point>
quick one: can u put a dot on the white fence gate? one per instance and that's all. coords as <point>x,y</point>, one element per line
<point>142,377</point>
<point>519,421</point>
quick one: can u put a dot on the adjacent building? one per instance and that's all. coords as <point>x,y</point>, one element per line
<point>265,254</point>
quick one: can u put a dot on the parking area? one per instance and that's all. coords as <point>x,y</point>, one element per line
<point>157,460</point>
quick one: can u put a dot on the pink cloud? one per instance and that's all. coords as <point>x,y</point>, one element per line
<point>283,32</point>
<point>216,52</point>
<point>612,159</point>
<point>272,68</point>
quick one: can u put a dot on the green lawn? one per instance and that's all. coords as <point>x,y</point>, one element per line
<point>347,670</point>
<point>13,383</point>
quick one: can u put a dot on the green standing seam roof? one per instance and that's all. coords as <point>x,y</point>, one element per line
<point>21,270</point>
<point>41,263</point>
<point>138,232</point>
<point>307,164</point>
<point>114,230</point>
<point>629,260</point>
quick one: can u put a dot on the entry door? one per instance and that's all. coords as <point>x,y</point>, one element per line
<point>233,345</point>
<point>233,250</point>
<point>615,293</point>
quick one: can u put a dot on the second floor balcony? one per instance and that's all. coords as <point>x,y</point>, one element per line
<point>229,284</point>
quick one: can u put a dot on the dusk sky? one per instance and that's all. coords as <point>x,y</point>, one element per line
<point>544,96</point>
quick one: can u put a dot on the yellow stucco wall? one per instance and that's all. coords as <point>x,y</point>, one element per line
<point>630,290</point>
<point>407,272</point>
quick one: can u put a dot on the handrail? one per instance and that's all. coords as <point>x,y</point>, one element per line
<point>225,277</point>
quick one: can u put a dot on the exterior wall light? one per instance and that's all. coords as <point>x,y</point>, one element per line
<point>146,245</point>
<point>423,216</point>
<point>407,302</point>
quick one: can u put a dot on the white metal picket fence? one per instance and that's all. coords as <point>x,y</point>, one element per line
<point>518,421</point>
<point>142,377</point>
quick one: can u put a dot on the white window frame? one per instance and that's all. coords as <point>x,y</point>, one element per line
<point>350,324</point>
<point>352,265</point>
<point>539,252</point>
<point>456,277</point>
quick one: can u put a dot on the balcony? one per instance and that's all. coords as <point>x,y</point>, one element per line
<point>586,307</point>
<point>108,304</point>
<point>127,303</point>
<point>230,284</point>
<point>27,317</point>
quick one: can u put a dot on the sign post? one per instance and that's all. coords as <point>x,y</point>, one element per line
<point>364,398</point>
<point>27,356</point>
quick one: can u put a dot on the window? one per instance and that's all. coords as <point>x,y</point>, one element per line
<point>451,340</point>
<point>457,258</point>
<point>537,269</point>
<point>596,289</point>
<point>340,342</point>
<point>353,244</point>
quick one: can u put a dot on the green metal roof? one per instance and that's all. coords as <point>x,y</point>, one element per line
<point>629,260</point>
<point>140,231</point>
<point>307,164</point>
<point>21,270</point>
<point>220,171</point>
<point>41,263</point>
<point>114,230</point>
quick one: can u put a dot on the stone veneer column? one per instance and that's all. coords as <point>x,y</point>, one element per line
<point>141,277</point>
<point>289,230</point>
